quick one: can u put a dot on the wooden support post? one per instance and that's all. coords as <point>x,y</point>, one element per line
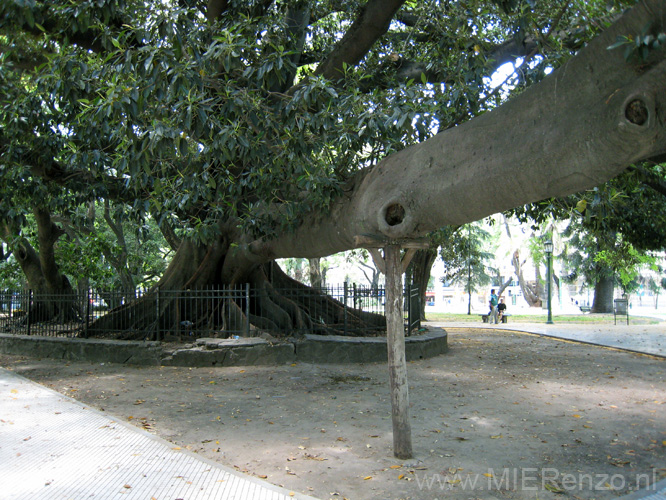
<point>393,267</point>
<point>395,339</point>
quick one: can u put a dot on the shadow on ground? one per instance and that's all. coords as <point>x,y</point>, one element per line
<point>502,415</point>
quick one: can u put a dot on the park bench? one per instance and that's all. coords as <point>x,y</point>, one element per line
<point>585,309</point>
<point>485,317</point>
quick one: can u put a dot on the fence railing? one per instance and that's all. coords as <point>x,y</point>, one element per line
<point>347,309</point>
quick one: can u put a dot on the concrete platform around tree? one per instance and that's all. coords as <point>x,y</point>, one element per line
<point>225,352</point>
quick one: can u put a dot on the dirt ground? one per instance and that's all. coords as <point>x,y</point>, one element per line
<point>501,416</point>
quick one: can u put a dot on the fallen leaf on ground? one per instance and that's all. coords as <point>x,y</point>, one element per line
<point>553,488</point>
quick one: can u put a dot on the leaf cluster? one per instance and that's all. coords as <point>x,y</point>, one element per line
<point>156,107</point>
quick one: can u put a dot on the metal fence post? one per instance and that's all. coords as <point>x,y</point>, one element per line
<point>346,294</point>
<point>85,331</point>
<point>157,321</point>
<point>247,309</point>
<point>29,309</point>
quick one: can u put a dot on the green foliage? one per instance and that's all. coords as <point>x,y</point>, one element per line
<point>10,274</point>
<point>626,263</point>
<point>178,117</point>
<point>622,220</point>
<point>638,47</point>
<point>462,250</point>
<point>578,255</point>
<point>90,253</point>
<point>229,124</point>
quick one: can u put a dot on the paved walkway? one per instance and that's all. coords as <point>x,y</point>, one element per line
<point>53,447</point>
<point>646,339</point>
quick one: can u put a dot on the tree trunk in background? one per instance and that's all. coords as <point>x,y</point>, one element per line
<point>315,272</point>
<point>603,294</point>
<point>420,273</point>
<point>504,286</point>
<point>529,293</point>
<point>53,295</point>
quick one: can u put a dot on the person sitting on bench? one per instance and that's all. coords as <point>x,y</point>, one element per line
<point>501,310</point>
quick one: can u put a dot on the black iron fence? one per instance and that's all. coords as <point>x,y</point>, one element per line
<point>347,309</point>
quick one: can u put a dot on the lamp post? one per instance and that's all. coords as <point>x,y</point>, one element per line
<point>548,247</point>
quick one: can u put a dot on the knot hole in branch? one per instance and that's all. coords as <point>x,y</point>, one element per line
<point>395,214</point>
<point>394,219</point>
<point>636,111</point>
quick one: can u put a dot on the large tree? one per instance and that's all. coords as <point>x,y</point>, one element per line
<point>270,129</point>
<point>610,228</point>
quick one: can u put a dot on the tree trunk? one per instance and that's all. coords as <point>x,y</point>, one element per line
<point>118,259</point>
<point>421,267</point>
<point>53,296</point>
<point>372,277</point>
<point>198,267</point>
<point>603,294</point>
<point>530,294</point>
<point>315,272</point>
<point>504,286</point>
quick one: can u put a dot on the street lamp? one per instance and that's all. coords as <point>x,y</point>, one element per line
<point>548,247</point>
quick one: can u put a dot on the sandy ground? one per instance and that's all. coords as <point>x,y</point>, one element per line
<point>502,415</point>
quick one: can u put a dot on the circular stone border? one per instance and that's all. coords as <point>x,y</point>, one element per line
<point>225,352</point>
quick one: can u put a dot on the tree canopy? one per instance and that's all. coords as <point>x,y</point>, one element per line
<point>268,129</point>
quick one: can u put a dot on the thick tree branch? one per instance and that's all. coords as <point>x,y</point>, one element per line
<point>170,235</point>
<point>116,228</point>
<point>114,187</point>
<point>215,9</point>
<point>47,234</point>
<point>373,21</point>
<point>579,127</point>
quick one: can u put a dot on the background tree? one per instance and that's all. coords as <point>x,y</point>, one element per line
<point>465,259</point>
<point>370,271</point>
<point>10,272</point>
<point>266,130</point>
<point>419,270</point>
<point>620,218</point>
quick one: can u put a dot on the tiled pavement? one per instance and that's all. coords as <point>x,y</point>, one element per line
<point>53,447</point>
